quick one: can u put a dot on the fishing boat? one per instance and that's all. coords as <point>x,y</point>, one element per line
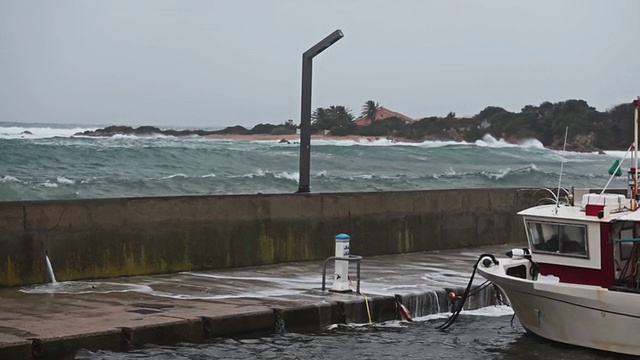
<point>578,281</point>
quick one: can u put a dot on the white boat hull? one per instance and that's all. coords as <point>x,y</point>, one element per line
<point>581,315</point>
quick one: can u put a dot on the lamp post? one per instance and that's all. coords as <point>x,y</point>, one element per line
<point>305,109</point>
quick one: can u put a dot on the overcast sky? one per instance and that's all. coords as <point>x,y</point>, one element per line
<point>220,63</point>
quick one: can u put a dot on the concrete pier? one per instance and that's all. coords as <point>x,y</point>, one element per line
<point>51,321</point>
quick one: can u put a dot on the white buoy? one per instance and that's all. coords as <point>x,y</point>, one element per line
<point>341,275</point>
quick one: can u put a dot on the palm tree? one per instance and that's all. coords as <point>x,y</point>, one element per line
<point>370,110</point>
<point>339,115</point>
<point>319,114</point>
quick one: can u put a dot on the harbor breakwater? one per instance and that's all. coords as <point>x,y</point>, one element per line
<point>125,328</point>
<point>54,320</point>
<point>103,238</point>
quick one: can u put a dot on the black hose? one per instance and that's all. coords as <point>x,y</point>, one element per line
<point>479,288</point>
<point>466,294</point>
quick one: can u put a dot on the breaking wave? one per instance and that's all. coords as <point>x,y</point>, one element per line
<point>57,165</point>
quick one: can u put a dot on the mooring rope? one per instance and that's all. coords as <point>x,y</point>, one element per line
<point>366,300</point>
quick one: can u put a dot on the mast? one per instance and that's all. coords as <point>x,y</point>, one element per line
<point>634,169</point>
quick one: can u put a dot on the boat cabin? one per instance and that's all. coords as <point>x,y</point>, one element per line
<point>593,243</point>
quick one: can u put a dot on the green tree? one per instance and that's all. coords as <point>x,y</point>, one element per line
<point>370,110</point>
<point>340,115</point>
<point>331,117</point>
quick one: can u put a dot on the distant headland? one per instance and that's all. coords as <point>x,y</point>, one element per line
<point>589,129</point>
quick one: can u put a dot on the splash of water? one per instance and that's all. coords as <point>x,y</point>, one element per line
<point>50,270</point>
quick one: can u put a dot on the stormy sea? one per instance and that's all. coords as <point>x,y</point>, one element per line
<point>44,161</point>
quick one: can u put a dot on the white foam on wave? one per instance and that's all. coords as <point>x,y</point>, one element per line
<point>286,175</point>
<point>65,181</point>
<point>133,137</point>
<point>294,176</point>
<point>38,132</point>
<point>257,172</point>
<point>178,175</point>
<point>9,178</point>
<point>490,141</point>
<point>486,141</point>
<point>495,175</point>
<point>49,184</point>
<point>616,154</point>
<point>362,176</point>
<point>371,141</point>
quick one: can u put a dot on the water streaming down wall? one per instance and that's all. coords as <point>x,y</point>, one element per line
<point>430,302</point>
<point>438,301</point>
<point>52,276</point>
<point>383,308</point>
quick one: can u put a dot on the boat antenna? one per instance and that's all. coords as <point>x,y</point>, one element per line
<point>564,147</point>
<point>634,169</point>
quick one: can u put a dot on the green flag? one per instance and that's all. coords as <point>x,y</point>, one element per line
<point>614,167</point>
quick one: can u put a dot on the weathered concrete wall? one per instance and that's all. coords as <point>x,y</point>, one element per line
<point>134,236</point>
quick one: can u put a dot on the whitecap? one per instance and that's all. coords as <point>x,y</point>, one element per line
<point>9,178</point>
<point>257,172</point>
<point>363,176</point>
<point>490,141</point>
<point>174,176</point>
<point>285,175</point>
<point>38,132</point>
<point>64,180</point>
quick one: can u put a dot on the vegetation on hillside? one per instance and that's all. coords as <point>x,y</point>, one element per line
<point>588,128</point>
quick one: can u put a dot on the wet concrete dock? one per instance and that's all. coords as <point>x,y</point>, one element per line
<point>55,320</point>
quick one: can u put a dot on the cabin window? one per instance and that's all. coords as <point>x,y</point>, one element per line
<point>558,239</point>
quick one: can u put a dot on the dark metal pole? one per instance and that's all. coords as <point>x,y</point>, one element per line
<point>305,108</point>
<point>305,125</point>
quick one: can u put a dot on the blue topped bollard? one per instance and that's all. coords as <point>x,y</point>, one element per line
<point>341,275</point>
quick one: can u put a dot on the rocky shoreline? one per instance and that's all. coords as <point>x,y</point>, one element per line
<point>580,143</point>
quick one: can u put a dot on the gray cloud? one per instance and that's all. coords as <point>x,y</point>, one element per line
<point>219,63</point>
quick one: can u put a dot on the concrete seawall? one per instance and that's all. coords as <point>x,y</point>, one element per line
<point>100,238</point>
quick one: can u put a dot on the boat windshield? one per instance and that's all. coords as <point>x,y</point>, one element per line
<point>558,239</point>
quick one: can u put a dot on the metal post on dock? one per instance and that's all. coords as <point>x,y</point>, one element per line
<point>305,109</point>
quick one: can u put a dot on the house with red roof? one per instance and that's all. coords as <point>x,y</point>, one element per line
<point>381,114</point>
